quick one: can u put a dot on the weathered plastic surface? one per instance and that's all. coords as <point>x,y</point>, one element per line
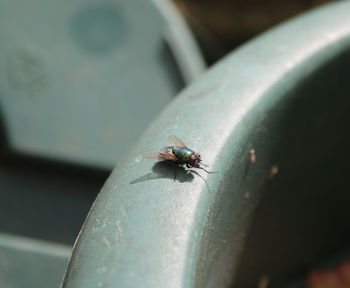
<point>28,263</point>
<point>84,86</point>
<point>282,96</point>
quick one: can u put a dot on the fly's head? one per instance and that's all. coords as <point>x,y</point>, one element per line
<point>195,160</point>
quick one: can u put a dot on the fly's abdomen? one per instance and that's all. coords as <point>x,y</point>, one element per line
<point>183,154</point>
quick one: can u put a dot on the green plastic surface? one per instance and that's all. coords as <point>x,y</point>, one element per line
<point>28,263</point>
<point>271,120</point>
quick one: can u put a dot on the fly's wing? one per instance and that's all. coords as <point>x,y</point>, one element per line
<point>164,154</point>
<point>151,156</point>
<point>176,142</point>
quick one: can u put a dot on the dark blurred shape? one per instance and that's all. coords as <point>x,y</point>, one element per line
<point>338,277</point>
<point>45,199</point>
<point>222,25</point>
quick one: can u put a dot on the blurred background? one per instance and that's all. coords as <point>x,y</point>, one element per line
<point>72,75</point>
<point>220,26</point>
<point>79,83</point>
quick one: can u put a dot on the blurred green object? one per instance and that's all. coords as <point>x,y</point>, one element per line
<point>31,263</point>
<point>81,80</point>
<point>273,120</point>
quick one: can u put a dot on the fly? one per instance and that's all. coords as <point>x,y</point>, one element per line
<point>179,153</point>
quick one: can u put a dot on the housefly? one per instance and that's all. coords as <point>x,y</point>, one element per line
<point>179,153</point>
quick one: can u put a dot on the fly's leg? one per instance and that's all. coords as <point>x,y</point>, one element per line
<point>175,174</point>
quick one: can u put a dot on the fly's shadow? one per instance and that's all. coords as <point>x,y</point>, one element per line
<point>166,169</point>
<point>170,170</point>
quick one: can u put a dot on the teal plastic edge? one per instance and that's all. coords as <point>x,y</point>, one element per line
<point>144,230</point>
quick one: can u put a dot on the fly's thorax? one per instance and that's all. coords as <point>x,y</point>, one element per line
<point>183,154</point>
